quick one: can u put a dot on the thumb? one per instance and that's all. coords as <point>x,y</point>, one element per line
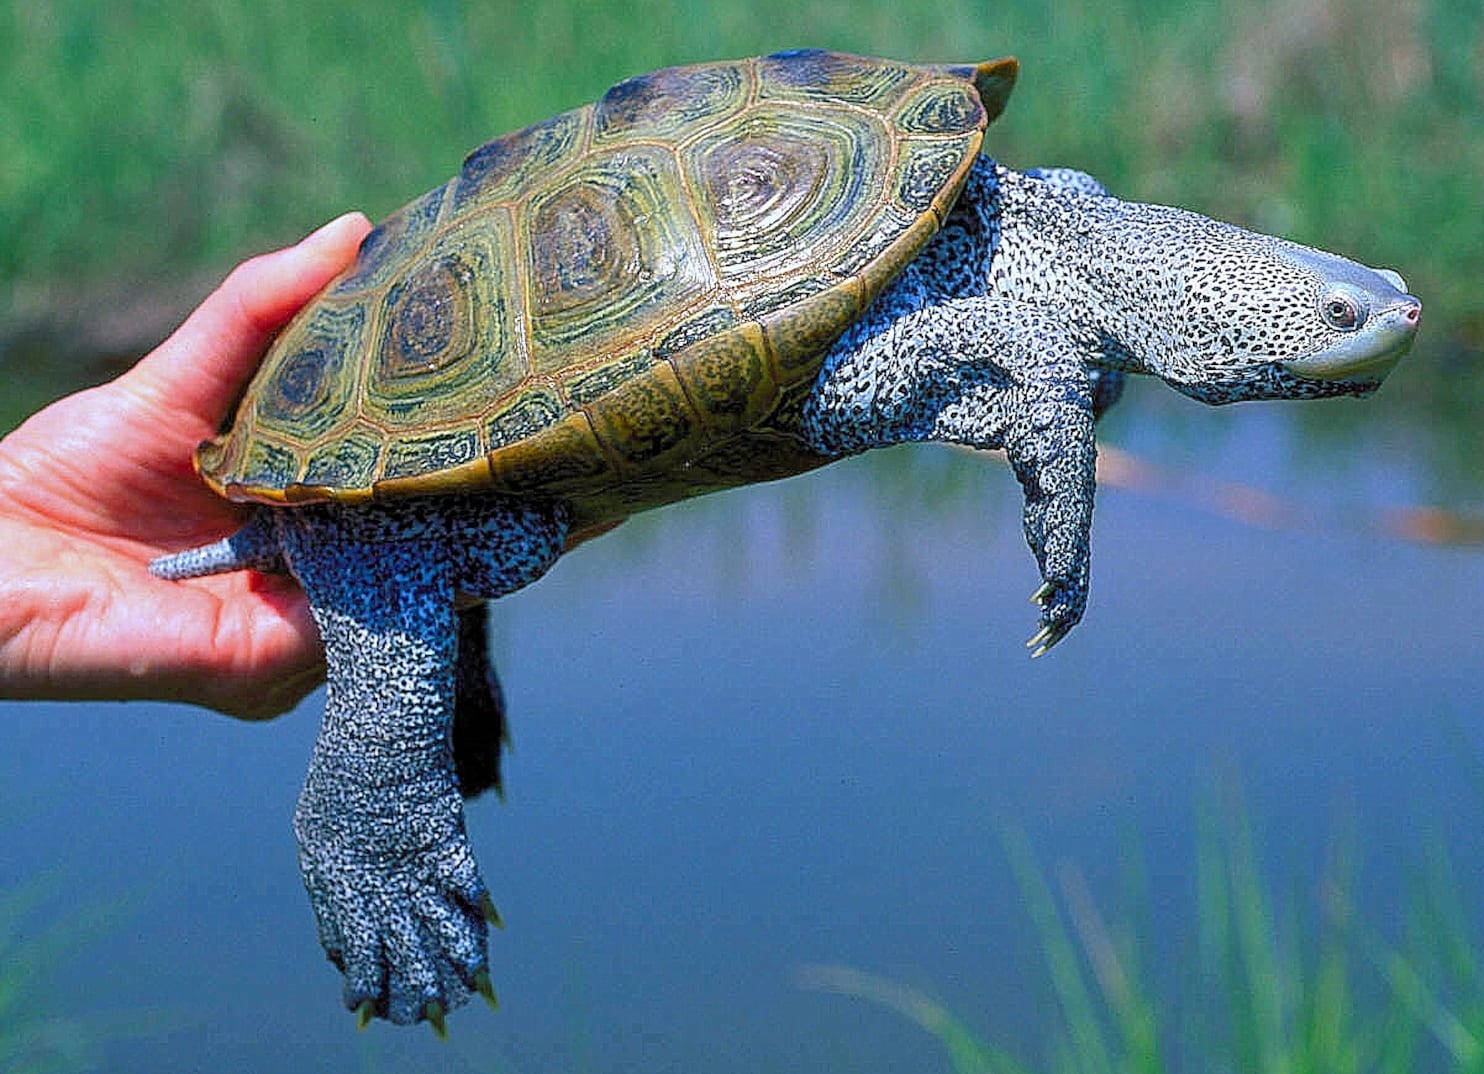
<point>203,366</point>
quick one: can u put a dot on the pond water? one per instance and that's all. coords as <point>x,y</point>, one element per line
<point>787,726</point>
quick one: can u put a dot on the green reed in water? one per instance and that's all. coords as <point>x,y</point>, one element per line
<point>1268,992</point>
<point>39,934</point>
<point>33,1040</point>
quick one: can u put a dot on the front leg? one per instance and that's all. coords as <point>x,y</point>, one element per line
<point>988,373</point>
<point>1048,439</point>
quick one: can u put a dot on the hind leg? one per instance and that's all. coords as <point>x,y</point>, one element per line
<point>397,896</point>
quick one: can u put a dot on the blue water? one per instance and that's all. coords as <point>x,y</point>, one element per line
<point>786,726</point>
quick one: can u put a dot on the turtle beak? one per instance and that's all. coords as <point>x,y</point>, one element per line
<point>1361,358</point>
<point>1370,353</point>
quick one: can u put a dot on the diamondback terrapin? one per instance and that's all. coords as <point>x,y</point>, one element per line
<point>717,274</point>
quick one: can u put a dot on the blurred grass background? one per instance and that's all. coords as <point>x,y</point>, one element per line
<point>146,147</point>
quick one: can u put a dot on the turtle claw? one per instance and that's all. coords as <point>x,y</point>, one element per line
<point>365,1011</point>
<point>1041,638</point>
<point>487,907</point>
<point>485,988</point>
<point>1040,595</point>
<point>1047,637</point>
<point>433,1012</point>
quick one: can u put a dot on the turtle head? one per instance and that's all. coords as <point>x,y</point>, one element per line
<point>1220,313</point>
<point>1256,317</point>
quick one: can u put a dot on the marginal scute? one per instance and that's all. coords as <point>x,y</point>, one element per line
<point>589,384</point>
<point>726,376</point>
<point>763,303</point>
<point>701,326</point>
<point>533,410</point>
<point>800,334</point>
<point>346,462</point>
<point>428,454</point>
<point>924,170</point>
<point>645,418</point>
<point>906,239</point>
<point>940,108</point>
<point>474,474</point>
<point>562,454</point>
<point>268,464</point>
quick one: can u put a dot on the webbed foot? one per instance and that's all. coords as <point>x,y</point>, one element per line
<point>400,905</point>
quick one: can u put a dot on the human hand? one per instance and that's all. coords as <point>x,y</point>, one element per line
<point>99,483</point>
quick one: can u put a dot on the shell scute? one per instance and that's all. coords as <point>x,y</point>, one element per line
<point>508,166</point>
<point>613,250</point>
<point>726,376</point>
<point>268,464</point>
<point>562,454</point>
<point>389,242</point>
<point>702,326</point>
<point>449,341</point>
<point>798,334</point>
<point>923,171</point>
<point>815,74</point>
<point>532,410</point>
<point>782,180</point>
<point>590,384</point>
<point>413,455</point>
<point>643,419</point>
<point>670,102</point>
<point>349,461</point>
<point>313,372</point>
<point>940,107</point>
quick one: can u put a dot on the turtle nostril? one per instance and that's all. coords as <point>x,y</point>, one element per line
<point>1413,313</point>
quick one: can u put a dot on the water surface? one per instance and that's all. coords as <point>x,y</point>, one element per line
<point>786,725</point>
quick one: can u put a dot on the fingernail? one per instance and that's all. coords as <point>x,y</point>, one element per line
<point>325,229</point>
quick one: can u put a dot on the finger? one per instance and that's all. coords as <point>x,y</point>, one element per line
<point>201,368</point>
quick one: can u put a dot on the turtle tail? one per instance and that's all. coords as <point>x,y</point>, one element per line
<point>480,730</point>
<point>255,546</point>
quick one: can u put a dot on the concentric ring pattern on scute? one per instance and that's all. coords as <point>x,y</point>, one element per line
<point>621,305</point>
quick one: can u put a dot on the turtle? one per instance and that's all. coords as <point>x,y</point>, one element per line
<point>716,274</point>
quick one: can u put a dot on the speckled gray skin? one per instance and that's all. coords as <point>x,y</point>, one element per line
<point>398,899</point>
<point>1014,328</point>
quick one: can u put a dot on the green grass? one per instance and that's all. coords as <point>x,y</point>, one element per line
<point>1274,982</point>
<point>150,137</point>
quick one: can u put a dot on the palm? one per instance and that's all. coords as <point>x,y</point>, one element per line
<point>99,483</point>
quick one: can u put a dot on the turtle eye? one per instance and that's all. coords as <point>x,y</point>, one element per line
<point>1342,311</point>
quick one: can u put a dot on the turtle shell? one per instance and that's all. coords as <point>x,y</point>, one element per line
<point>622,305</point>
